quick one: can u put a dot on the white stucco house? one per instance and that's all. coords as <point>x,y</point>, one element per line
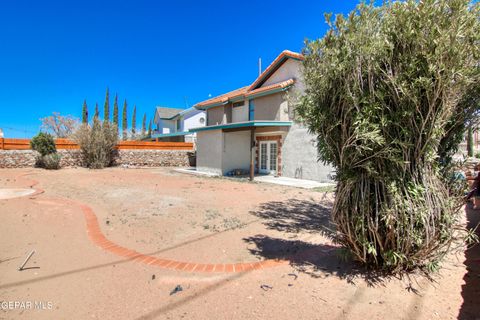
<point>173,124</point>
<point>253,129</point>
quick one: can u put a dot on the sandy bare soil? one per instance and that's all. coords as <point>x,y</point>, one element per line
<point>200,220</point>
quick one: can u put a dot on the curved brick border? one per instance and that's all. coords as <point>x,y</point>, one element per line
<point>97,237</point>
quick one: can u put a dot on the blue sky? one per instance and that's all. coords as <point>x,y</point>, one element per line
<point>55,54</point>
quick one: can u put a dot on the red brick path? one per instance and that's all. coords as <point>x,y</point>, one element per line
<point>97,237</point>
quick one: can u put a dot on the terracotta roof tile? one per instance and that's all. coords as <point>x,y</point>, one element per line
<point>278,85</point>
<point>224,97</point>
<point>254,89</point>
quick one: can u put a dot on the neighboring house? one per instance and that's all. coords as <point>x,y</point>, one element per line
<point>254,126</point>
<point>173,124</point>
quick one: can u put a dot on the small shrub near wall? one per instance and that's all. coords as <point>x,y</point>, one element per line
<point>48,157</point>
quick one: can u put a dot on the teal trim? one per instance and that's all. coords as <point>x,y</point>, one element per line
<point>218,104</point>
<point>175,134</point>
<point>237,99</point>
<point>244,125</point>
<point>266,93</point>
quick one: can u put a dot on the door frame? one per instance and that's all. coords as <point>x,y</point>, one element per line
<point>268,147</point>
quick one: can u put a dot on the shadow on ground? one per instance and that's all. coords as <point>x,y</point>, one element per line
<point>297,216</point>
<point>471,288</point>
<point>317,260</point>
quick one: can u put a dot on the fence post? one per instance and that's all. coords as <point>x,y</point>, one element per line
<point>2,144</point>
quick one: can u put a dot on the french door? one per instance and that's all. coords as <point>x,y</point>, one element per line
<point>268,157</point>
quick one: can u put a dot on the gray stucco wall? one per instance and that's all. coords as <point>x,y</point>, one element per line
<point>209,151</point>
<point>271,107</point>
<point>215,116</point>
<point>236,151</point>
<point>299,156</point>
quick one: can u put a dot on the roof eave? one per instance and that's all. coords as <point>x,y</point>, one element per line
<point>257,123</point>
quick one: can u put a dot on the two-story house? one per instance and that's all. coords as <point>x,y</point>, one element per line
<point>173,124</point>
<point>254,129</point>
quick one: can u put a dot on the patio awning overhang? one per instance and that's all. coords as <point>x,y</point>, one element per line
<point>237,126</point>
<point>166,135</point>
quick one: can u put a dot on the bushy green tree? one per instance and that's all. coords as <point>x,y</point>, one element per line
<point>389,90</point>
<point>149,133</point>
<point>44,144</point>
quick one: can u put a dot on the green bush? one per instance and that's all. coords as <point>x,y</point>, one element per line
<point>51,161</point>
<point>389,90</point>
<point>43,143</point>
<point>97,143</point>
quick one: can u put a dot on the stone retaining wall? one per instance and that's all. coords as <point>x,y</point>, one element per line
<point>72,158</point>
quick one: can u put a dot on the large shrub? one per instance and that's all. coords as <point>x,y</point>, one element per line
<point>389,89</point>
<point>97,143</point>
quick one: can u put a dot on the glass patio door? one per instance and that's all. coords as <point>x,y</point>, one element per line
<point>268,157</point>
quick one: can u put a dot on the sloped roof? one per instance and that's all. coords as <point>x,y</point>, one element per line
<point>223,98</point>
<point>255,88</point>
<point>286,54</point>
<point>167,113</point>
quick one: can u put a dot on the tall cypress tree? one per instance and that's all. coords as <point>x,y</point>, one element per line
<point>115,111</point>
<point>150,129</point>
<point>85,112</point>
<point>96,110</point>
<point>106,108</point>
<point>134,120</point>
<point>124,121</point>
<point>144,124</point>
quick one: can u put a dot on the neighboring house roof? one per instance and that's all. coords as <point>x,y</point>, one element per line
<point>189,112</point>
<point>167,113</point>
<point>255,89</point>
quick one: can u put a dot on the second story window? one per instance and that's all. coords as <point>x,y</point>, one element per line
<point>251,110</point>
<point>238,104</point>
<point>179,125</point>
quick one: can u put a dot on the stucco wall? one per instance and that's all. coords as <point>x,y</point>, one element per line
<point>290,69</point>
<point>166,126</point>
<point>193,120</point>
<point>215,116</point>
<point>240,114</point>
<point>299,156</point>
<point>236,151</point>
<point>209,151</point>
<point>271,107</point>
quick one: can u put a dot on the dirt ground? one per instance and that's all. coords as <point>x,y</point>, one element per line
<point>198,220</point>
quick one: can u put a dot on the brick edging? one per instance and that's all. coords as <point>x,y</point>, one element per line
<point>96,236</point>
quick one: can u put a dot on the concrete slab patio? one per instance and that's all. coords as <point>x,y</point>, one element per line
<point>283,181</point>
